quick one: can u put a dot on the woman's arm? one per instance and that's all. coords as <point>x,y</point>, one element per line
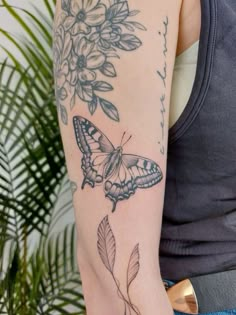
<point>113,64</point>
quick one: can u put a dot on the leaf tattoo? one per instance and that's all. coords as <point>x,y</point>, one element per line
<point>87,35</point>
<point>106,246</point>
<point>121,174</point>
<point>133,266</point>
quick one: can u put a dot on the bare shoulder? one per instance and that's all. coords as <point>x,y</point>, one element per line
<point>190,24</point>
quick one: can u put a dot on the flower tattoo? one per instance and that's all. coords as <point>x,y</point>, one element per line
<point>84,61</point>
<point>84,16</point>
<point>87,35</point>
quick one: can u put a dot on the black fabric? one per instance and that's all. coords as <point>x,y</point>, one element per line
<point>199,218</point>
<point>215,292</point>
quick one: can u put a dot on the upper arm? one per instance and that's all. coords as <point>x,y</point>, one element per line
<point>113,70</point>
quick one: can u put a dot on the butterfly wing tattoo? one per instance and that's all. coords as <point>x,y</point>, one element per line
<point>95,147</point>
<point>102,163</point>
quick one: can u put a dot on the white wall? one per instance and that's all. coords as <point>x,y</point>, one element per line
<point>8,23</point>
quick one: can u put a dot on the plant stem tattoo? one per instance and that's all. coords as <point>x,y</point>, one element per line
<point>102,163</point>
<point>163,75</point>
<point>87,35</point>
<point>106,245</point>
<point>73,187</point>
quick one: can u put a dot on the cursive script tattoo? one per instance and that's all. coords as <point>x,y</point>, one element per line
<point>163,75</point>
<point>106,245</point>
<point>87,35</point>
<point>162,123</point>
<point>166,23</point>
<point>102,163</point>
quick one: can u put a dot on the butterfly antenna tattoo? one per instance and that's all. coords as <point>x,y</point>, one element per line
<point>122,138</point>
<point>126,141</point>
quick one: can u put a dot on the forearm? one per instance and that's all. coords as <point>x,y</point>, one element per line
<point>118,256</point>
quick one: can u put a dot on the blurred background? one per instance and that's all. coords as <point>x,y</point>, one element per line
<point>38,269</point>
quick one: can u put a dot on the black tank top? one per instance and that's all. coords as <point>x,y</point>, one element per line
<point>199,220</point>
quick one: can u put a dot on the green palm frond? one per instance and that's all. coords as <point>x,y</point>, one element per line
<point>34,187</point>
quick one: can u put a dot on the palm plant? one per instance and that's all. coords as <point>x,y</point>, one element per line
<point>38,270</point>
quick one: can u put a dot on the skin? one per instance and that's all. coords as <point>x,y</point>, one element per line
<point>189,26</point>
<point>141,93</point>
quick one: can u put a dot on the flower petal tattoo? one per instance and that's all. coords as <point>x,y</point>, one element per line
<point>121,174</point>
<point>87,35</point>
<point>106,245</point>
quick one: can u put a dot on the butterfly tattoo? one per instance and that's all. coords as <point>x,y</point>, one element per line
<point>121,174</point>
